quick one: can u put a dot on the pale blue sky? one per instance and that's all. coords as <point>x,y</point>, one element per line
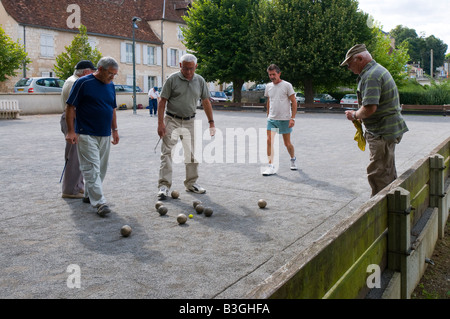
<point>428,17</point>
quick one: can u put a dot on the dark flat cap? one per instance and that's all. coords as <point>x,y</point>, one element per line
<point>85,64</point>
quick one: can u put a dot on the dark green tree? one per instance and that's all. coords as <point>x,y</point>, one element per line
<point>217,33</point>
<point>417,48</point>
<point>420,47</point>
<point>78,50</point>
<point>308,40</point>
<point>416,45</point>
<point>12,56</point>
<point>439,49</point>
<point>401,33</point>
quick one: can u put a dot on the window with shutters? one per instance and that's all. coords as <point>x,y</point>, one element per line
<point>151,53</point>
<point>47,45</point>
<point>180,33</point>
<point>172,57</point>
<point>152,81</point>
<point>129,53</point>
<point>92,44</point>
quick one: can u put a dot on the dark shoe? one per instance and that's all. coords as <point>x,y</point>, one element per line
<point>103,210</point>
<point>79,195</point>
<point>86,200</point>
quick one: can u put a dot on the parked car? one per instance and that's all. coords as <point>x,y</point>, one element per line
<point>325,98</point>
<point>300,97</point>
<point>126,88</point>
<point>258,87</point>
<point>350,100</point>
<point>229,90</point>
<point>218,96</point>
<point>38,85</point>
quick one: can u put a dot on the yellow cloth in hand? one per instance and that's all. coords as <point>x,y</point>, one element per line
<point>359,136</point>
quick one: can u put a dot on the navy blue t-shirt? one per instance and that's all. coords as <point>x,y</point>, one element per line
<point>94,102</point>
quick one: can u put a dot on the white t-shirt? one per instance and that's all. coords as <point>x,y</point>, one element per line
<point>280,105</point>
<point>153,93</point>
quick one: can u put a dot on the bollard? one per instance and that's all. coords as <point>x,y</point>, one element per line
<point>399,235</point>
<point>437,193</point>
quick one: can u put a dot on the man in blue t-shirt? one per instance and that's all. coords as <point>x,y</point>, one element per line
<point>92,103</point>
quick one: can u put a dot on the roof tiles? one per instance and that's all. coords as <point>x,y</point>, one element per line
<point>105,17</point>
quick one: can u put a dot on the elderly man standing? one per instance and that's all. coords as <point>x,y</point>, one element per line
<point>72,182</point>
<point>380,112</point>
<point>176,115</point>
<point>93,99</point>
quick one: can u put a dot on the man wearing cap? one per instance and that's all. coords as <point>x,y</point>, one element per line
<point>380,112</point>
<point>153,98</point>
<point>72,182</point>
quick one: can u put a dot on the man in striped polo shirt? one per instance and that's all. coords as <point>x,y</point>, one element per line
<point>380,112</point>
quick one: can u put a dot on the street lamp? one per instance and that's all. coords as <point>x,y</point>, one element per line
<point>134,26</point>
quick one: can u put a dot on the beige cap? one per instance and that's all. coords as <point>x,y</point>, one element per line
<point>354,50</point>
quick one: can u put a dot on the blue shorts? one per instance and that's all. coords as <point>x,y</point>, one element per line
<point>281,125</point>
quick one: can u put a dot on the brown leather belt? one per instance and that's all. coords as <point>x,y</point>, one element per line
<point>179,117</point>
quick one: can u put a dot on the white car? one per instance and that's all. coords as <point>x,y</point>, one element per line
<point>218,96</point>
<point>300,97</point>
<point>39,85</point>
<point>350,100</point>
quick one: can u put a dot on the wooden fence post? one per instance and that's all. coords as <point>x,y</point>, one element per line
<point>399,234</point>
<point>437,195</point>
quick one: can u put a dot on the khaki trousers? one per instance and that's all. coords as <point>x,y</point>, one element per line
<point>381,170</point>
<point>178,129</point>
<point>93,154</point>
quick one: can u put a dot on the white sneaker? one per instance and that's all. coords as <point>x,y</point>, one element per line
<point>293,165</point>
<point>196,189</point>
<point>163,192</point>
<point>270,170</point>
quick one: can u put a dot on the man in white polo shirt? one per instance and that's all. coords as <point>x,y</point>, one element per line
<point>153,98</point>
<point>281,111</point>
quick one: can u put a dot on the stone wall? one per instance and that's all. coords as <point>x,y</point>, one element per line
<point>50,103</point>
<point>252,96</point>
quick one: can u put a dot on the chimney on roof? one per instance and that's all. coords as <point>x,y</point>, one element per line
<point>181,5</point>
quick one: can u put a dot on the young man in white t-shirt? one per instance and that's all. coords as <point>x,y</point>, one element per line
<point>281,111</point>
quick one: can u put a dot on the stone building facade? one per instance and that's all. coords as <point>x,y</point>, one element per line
<point>46,27</point>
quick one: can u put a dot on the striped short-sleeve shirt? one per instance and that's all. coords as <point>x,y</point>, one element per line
<point>376,86</point>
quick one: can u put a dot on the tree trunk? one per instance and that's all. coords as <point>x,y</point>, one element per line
<point>237,90</point>
<point>309,91</point>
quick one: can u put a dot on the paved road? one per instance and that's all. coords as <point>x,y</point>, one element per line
<point>47,240</point>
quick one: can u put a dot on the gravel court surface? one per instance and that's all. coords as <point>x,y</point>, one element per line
<point>223,256</point>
